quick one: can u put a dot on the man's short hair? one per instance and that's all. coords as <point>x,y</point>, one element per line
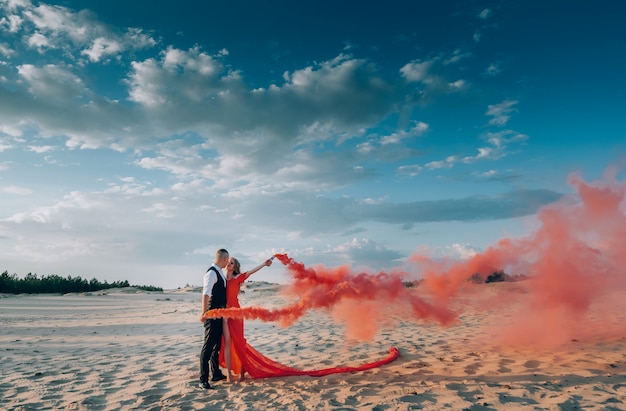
<point>221,253</point>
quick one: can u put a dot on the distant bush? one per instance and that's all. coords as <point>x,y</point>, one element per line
<point>476,278</point>
<point>55,284</point>
<point>495,277</point>
<point>411,284</point>
<point>147,288</point>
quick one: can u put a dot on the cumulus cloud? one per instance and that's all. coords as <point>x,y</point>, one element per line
<point>52,82</point>
<point>11,23</point>
<point>178,91</point>
<point>102,47</point>
<point>419,71</point>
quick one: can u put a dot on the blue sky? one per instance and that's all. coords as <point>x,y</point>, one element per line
<point>137,137</point>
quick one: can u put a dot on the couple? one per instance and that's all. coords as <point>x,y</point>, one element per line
<point>222,291</point>
<point>239,356</point>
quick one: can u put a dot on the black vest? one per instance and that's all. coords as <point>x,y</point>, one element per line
<point>218,293</point>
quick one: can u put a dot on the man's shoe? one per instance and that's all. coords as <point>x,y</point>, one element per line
<point>205,385</point>
<point>219,377</point>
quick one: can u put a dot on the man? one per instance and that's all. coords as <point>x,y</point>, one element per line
<point>213,296</point>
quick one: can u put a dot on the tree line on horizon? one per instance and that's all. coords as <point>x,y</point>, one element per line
<point>55,284</point>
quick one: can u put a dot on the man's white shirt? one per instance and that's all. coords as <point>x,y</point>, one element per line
<point>210,278</point>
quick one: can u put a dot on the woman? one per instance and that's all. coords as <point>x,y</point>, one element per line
<point>231,358</point>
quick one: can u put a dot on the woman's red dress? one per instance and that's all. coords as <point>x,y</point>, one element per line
<point>259,366</point>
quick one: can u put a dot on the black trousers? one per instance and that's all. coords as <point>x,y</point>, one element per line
<point>211,348</point>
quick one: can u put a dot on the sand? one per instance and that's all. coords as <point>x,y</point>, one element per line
<point>139,350</point>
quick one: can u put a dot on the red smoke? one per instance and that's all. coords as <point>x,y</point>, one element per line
<point>364,302</point>
<point>575,263</point>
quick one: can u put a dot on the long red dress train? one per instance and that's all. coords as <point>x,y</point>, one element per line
<point>245,358</point>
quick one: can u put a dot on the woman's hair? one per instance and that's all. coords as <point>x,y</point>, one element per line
<point>236,266</point>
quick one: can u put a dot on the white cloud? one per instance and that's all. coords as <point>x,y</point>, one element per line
<point>484,153</point>
<point>418,128</point>
<point>131,187</point>
<point>20,191</point>
<point>73,201</point>
<point>195,185</point>
<point>179,77</point>
<point>447,163</point>
<point>450,252</point>
<point>15,130</point>
<point>13,5</point>
<point>51,18</point>
<point>102,47</point>
<point>54,27</point>
<point>41,149</point>
<point>493,69</point>
<point>136,39</point>
<point>418,71</point>
<point>502,138</point>
<point>428,73</point>
<point>484,14</point>
<point>5,50</point>
<point>5,146</point>
<point>52,81</point>
<point>499,147</point>
<point>410,170</point>
<point>38,41</point>
<point>11,23</point>
<point>161,210</point>
<point>192,61</point>
<point>457,85</point>
<point>456,56</point>
<point>501,112</point>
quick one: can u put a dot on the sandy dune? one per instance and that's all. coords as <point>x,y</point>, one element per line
<point>140,351</point>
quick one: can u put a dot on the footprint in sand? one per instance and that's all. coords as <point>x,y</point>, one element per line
<point>502,365</point>
<point>473,368</point>
<point>532,364</point>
